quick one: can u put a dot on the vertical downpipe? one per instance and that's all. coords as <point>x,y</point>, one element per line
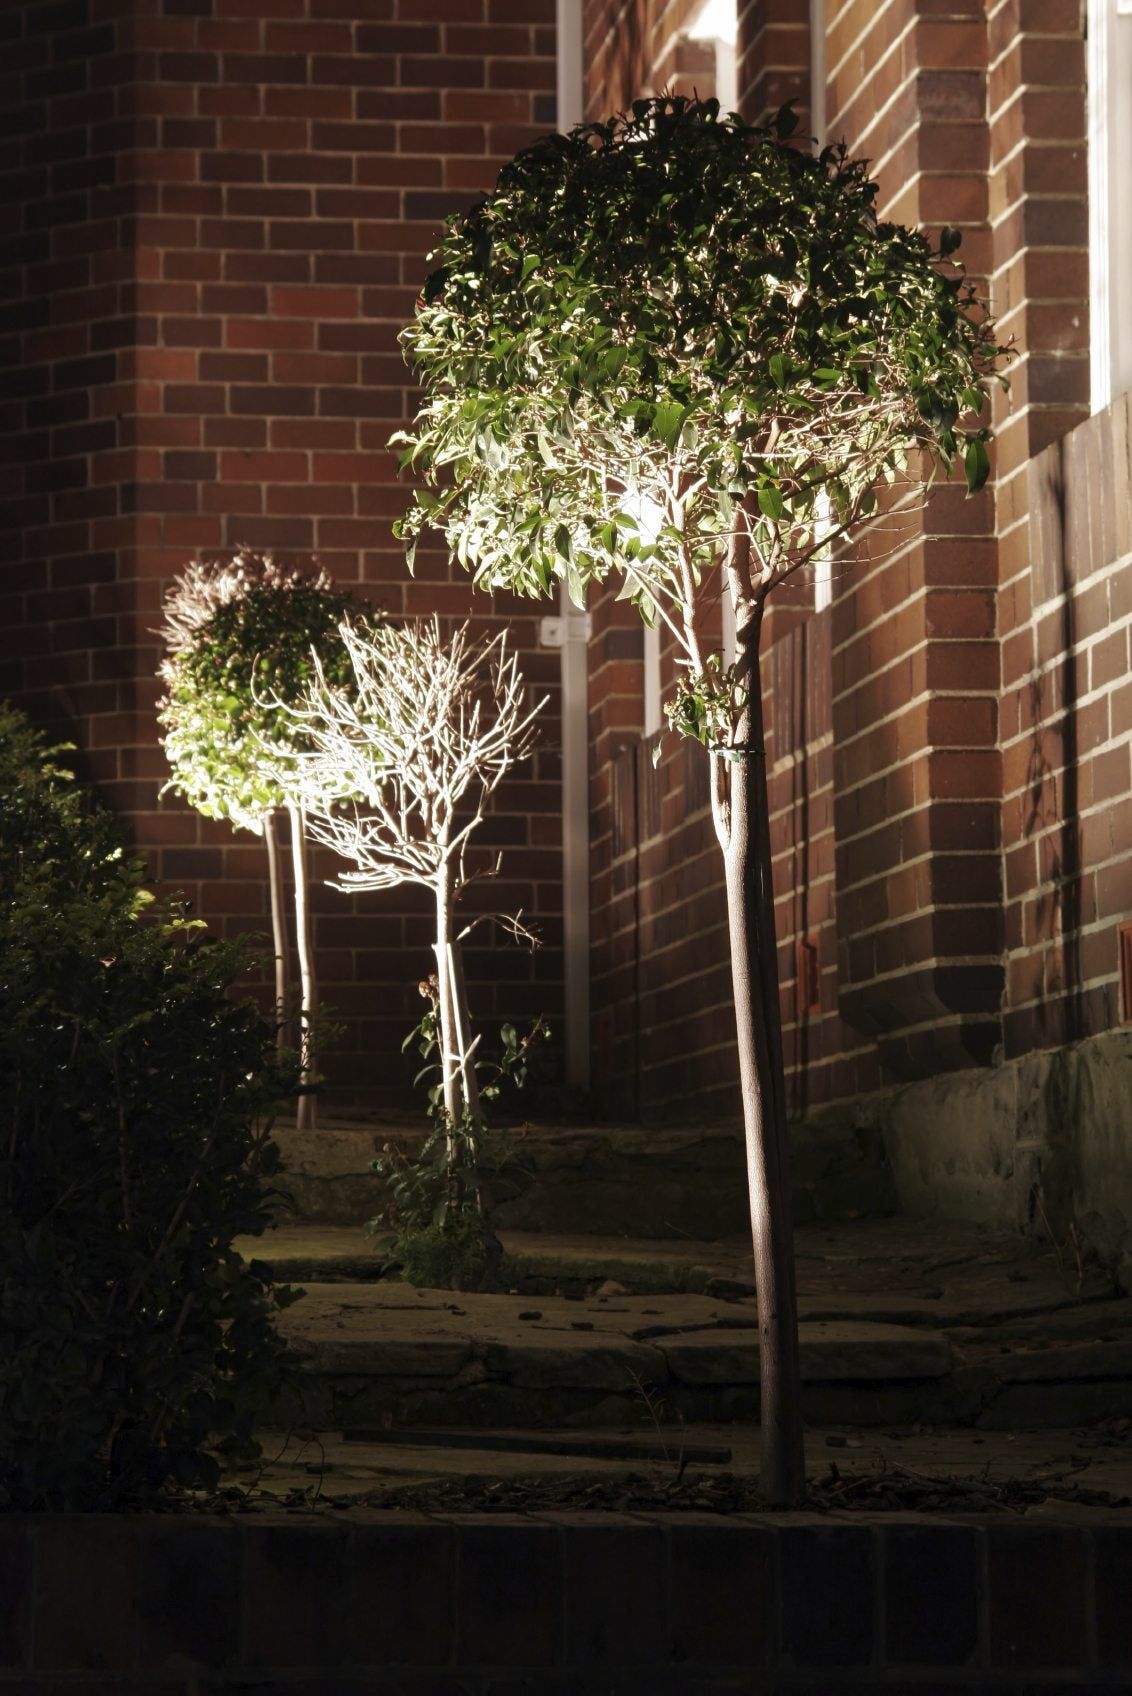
<point>575,688</point>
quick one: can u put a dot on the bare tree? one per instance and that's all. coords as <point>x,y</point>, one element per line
<point>395,773</point>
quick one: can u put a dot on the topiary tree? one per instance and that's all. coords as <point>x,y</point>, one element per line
<point>241,637</point>
<point>136,1345</point>
<point>680,314</point>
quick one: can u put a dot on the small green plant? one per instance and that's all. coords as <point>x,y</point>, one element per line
<point>136,1345</point>
<point>511,1066</point>
<point>442,1199</point>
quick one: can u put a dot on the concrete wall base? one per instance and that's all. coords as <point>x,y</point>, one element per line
<point>1042,1144</point>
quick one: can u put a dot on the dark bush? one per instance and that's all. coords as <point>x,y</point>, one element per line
<point>135,1105</point>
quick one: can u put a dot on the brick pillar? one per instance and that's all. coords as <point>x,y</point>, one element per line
<point>70,393</point>
<point>916,769</point>
<point>663,1020</point>
<point>1052,719</point>
<point>774,59</point>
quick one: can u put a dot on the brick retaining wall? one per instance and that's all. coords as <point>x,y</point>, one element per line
<point>586,1604</point>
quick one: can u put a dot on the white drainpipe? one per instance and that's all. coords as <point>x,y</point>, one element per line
<point>573,632</point>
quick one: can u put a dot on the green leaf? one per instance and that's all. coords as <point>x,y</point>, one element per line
<point>785,121</point>
<point>950,240</point>
<point>613,361</point>
<point>771,504</point>
<point>576,586</point>
<point>976,464</point>
<point>776,364</point>
<point>668,421</point>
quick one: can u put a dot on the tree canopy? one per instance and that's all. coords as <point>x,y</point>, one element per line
<point>243,639</point>
<point>680,310</point>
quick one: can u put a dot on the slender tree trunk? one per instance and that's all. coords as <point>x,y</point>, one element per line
<point>474,1121</point>
<point>750,909</point>
<point>278,930</point>
<point>307,1115</point>
<point>461,1020</point>
<point>449,1061</point>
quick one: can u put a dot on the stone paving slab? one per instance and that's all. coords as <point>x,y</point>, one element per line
<point>830,1351</point>
<point>597,1344</point>
<point>376,1353</point>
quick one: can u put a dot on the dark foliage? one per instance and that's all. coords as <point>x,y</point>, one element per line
<point>134,1341</point>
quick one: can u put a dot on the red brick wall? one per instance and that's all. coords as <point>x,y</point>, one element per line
<point>773,52</point>
<point>221,215</point>
<point>824,1058</point>
<point>242,206</point>
<point>915,659</point>
<point>598,1601</point>
<point>906,933</point>
<point>1067,735</point>
<point>1063,498</point>
<point>68,401</point>
<point>663,1036</point>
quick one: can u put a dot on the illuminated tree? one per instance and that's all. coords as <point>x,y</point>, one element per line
<point>242,637</point>
<point>679,314</point>
<point>395,773</point>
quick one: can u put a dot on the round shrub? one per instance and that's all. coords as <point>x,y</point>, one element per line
<point>229,669</point>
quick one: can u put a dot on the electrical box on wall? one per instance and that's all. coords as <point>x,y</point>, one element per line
<point>556,632</point>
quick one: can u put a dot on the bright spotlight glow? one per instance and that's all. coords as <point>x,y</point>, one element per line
<point>648,514</point>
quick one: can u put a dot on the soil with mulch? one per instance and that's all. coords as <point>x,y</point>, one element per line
<point>894,1490</point>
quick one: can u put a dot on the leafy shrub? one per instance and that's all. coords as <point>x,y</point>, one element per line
<point>442,1198</point>
<point>456,1252</point>
<point>134,1341</point>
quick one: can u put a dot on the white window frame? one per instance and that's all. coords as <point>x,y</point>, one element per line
<point>1109,72</point>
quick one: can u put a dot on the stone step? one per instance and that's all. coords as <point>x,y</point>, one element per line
<point>853,1270</point>
<point>667,1181</point>
<point>901,1320</point>
<point>381,1354</point>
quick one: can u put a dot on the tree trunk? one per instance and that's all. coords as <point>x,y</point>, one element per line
<point>446,1035</point>
<point>754,965</point>
<point>278,931</point>
<point>307,1115</point>
<point>461,1020</point>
